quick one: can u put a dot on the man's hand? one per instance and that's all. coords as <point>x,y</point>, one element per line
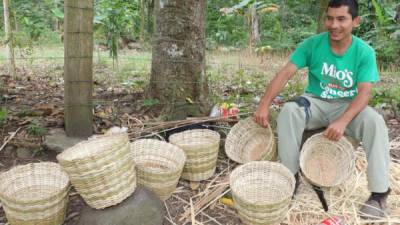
<point>335,130</point>
<point>261,115</point>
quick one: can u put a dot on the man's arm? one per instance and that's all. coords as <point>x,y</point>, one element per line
<point>336,129</point>
<point>273,89</point>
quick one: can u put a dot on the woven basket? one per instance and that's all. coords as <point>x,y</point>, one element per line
<point>201,149</point>
<point>327,163</point>
<point>158,165</point>
<point>35,194</point>
<point>247,141</point>
<point>101,169</point>
<point>262,191</point>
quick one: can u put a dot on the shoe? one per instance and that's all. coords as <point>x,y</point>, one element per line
<point>374,207</point>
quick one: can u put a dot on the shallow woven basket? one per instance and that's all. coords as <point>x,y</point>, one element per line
<point>35,194</point>
<point>327,163</point>
<point>101,169</point>
<point>262,191</point>
<point>201,148</point>
<point>247,141</point>
<point>158,165</point>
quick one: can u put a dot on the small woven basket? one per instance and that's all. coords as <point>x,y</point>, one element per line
<point>327,163</point>
<point>101,169</point>
<point>158,165</point>
<point>262,191</point>
<point>247,141</point>
<point>35,194</point>
<point>201,148</point>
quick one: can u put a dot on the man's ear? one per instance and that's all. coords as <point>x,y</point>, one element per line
<point>356,21</point>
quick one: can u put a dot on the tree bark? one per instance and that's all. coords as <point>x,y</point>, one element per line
<point>142,20</point>
<point>9,39</point>
<point>78,56</point>
<point>323,4</point>
<point>178,77</point>
<point>254,30</point>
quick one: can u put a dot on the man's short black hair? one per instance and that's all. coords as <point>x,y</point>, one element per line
<point>352,4</point>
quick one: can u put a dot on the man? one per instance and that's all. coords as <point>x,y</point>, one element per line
<point>342,70</point>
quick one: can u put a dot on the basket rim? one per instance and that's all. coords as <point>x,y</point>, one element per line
<point>176,138</point>
<point>54,194</point>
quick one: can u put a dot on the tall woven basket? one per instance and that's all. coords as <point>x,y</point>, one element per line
<point>327,163</point>
<point>35,194</point>
<point>262,191</point>
<point>101,169</point>
<point>201,148</point>
<point>158,165</point>
<point>247,141</point>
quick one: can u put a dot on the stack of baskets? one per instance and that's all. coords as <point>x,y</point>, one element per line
<point>101,169</point>
<point>201,148</point>
<point>159,165</point>
<point>262,191</point>
<point>247,141</point>
<point>327,163</point>
<point>35,194</point>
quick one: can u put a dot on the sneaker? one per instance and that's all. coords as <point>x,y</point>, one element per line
<point>374,207</point>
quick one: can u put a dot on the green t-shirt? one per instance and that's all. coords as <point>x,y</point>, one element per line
<point>333,76</point>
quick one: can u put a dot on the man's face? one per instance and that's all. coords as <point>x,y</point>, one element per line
<point>339,23</point>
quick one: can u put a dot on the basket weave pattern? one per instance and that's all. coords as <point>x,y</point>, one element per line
<point>159,165</point>
<point>201,148</point>
<point>247,141</point>
<point>327,163</point>
<point>262,191</point>
<point>35,194</point>
<point>102,169</point>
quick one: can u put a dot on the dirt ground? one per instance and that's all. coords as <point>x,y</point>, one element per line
<point>35,105</point>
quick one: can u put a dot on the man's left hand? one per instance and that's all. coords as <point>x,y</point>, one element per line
<point>335,130</point>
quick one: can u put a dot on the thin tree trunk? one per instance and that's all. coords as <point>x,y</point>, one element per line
<point>254,30</point>
<point>78,54</point>
<point>142,19</point>
<point>178,77</point>
<point>323,4</point>
<point>9,39</point>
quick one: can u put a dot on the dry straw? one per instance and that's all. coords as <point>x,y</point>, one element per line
<point>327,163</point>
<point>201,149</point>
<point>262,191</point>
<point>35,194</point>
<point>101,169</point>
<point>247,141</point>
<point>158,165</point>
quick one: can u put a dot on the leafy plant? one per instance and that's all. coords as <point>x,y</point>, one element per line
<point>3,116</point>
<point>36,129</point>
<point>150,102</point>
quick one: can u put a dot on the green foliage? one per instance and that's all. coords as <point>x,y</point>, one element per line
<point>3,116</point>
<point>36,129</point>
<point>388,98</point>
<point>150,102</point>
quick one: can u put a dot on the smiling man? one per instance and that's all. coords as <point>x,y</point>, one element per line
<point>342,71</point>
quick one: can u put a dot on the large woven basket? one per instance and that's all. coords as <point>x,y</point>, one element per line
<point>262,191</point>
<point>35,194</point>
<point>327,163</point>
<point>247,141</point>
<point>158,165</point>
<point>101,169</point>
<point>201,148</point>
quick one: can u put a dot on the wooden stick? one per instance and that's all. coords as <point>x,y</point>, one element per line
<point>9,139</point>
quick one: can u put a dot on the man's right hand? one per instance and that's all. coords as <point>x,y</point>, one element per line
<point>261,115</point>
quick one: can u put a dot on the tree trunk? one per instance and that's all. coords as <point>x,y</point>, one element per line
<point>178,77</point>
<point>78,54</point>
<point>323,4</point>
<point>142,19</point>
<point>254,31</point>
<point>9,39</point>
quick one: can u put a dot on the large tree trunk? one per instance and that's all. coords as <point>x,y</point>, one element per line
<point>9,39</point>
<point>178,77</point>
<point>323,4</point>
<point>78,54</point>
<point>254,30</point>
<point>142,19</point>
